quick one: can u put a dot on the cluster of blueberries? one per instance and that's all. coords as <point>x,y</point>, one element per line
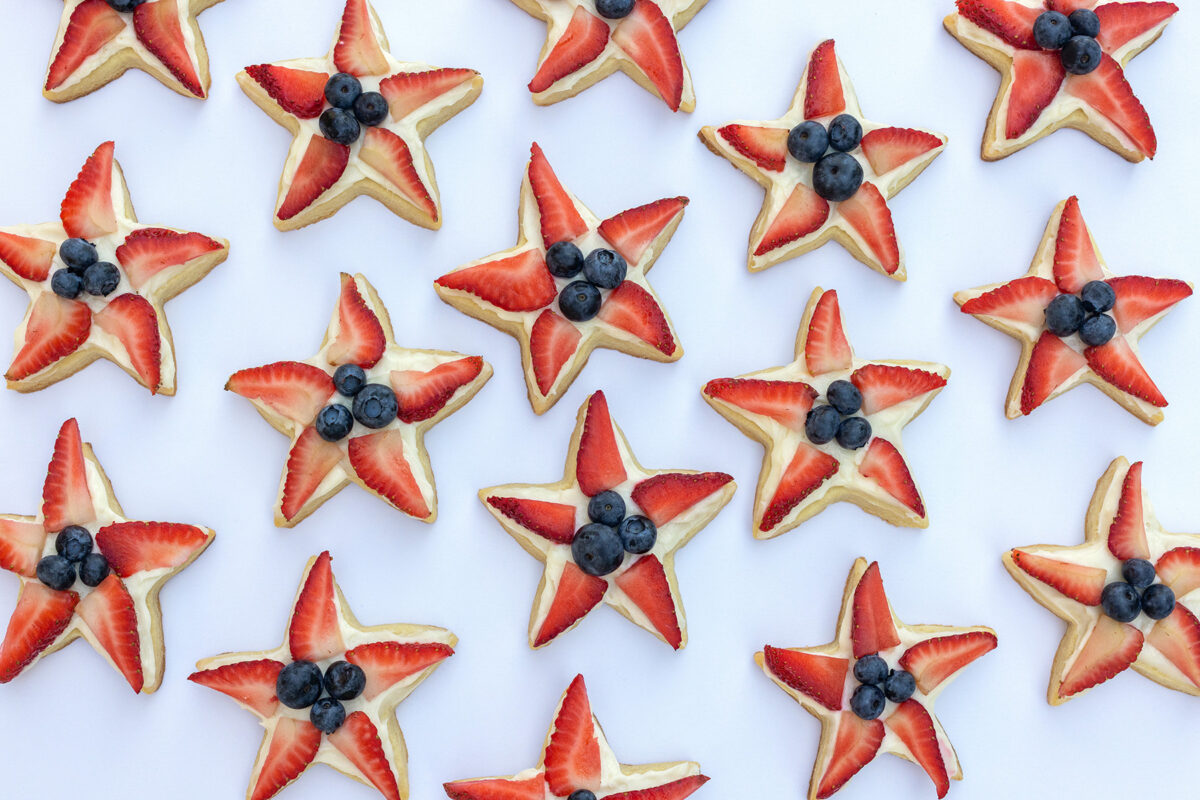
<point>351,108</point>
<point>1137,594</point>
<point>879,683</point>
<point>836,420</point>
<point>85,272</point>
<point>1084,314</point>
<point>837,174</point>
<point>74,547</point>
<point>125,5</point>
<point>373,404</point>
<point>599,547</point>
<point>301,685</point>
<point>1073,35</point>
<point>580,300</point>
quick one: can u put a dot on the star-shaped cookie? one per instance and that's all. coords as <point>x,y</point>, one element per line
<point>110,298</point>
<point>890,672</point>
<point>358,410</point>
<point>1038,95</point>
<point>98,40</point>
<point>388,161</point>
<point>86,571</point>
<point>553,521</point>
<point>1122,536</point>
<point>388,662</point>
<point>583,46</point>
<point>577,758</point>
<point>516,291</point>
<point>795,218</point>
<point>801,475</point>
<point>1067,263</point>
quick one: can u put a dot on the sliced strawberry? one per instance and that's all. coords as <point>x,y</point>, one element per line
<point>1023,300</point>
<point>1109,94</point>
<point>421,395</point>
<point>825,347</point>
<point>40,616</point>
<point>515,283</point>
<point>388,663</point>
<point>408,91</point>
<point>389,155</point>
<point>823,96</point>
<point>1111,648</point>
<point>292,388</point>
<point>66,499</point>
<point>133,547</point>
<point>553,521</point>
<point>856,744</point>
<point>21,546</point>
<point>1051,365</point>
<point>1076,581</point>
<point>675,790</point>
<point>57,328</point>
<point>560,220</point>
<point>912,723</point>
<point>598,463</point>
<point>320,167</point>
<point>1011,21</point>
<point>251,683</point>
<point>87,210</point>
<point>297,91</point>
<point>1178,638</point>
<point>884,465</point>
<point>645,583</point>
<point>358,50</point>
<point>632,232</point>
<point>1067,6</point>
<point>649,39</point>
<point>1140,298</point>
<point>871,627</point>
<point>380,462</point>
<point>1120,23</point>
<point>1037,77</point>
<point>108,612</point>
<point>552,343</point>
<point>294,744</point>
<point>802,213</point>
<point>1127,535</point>
<point>809,468</point>
<point>358,740</point>
<point>766,147</point>
<point>823,678</point>
<point>889,148</point>
<point>498,789</point>
<point>30,258</point>
<point>360,338</point>
<point>664,497</point>
<point>577,594</point>
<point>1180,569</point>
<point>93,24</point>
<point>868,213</point>
<point>158,27</point>
<point>786,402</point>
<point>573,753</point>
<point>134,322</point>
<point>313,631</point>
<point>1116,363</point>
<point>884,386</point>
<point>148,251</point>
<point>934,660</point>
<point>581,43</point>
<point>1075,260</point>
<point>633,309</point>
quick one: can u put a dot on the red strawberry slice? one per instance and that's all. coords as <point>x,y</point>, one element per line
<point>133,547</point>
<point>766,147</point>
<point>134,322</point>
<point>1116,363</point>
<point>573,753</point>
<point>664,497</point>
<point>552,343</point>
<point>297,91</point>
<point>648,38</point>
<point>856,744</point>
<point>1127,535</point>
<point>884,465</point>
<point>582,42</point>
<point>633,309</point>
<point>1075,260</point>
<point>1180,569</point>
<point>498,789</point>
<point>1109,94</point>
<point>675,790</point>
<point>421,395</point>
<point>912,723</point>
<point>388,663</point>
<point>379,461</point>
<point>825,346</point>
<point>577,594</point>
<point>30,258</point>
<point>408,91</point>
<point>148,251</point>
<point>786,402</point>
<point>884,386</point>
<point>40,616</point>
<point>1067,6</point>
<point>1178,638</point>
<point>21,546</point>
<point>632,232</point>
<point>934,660</point>
<point>292,388</point>
<point>889,148</point>
<point>358,740</point>
<point>808,469</point>
<point>823,678</point>
<point>1120,23</point>
<point>1009,20</point>
<point>560,220</point>
<point>869,215</point>
<point>87,210</point>
<point>645,583</point>
<point>66,499</point>
<point>320,167</point>
<point>108,612</point>
<point>1051,365</point>
<point>1037,77</point>
<point>804,212</point>
<point>871,626</point>
<point>157,26</point>
<point>390,156</point>
<point>515,283</point>
<point>358,50</point>
<point>1023,300</point>
<point>1140,298</point>
<point>823,95</point>
<point>1110,649</point>
<point>1081,583</point>
<point>57,327</point>
<point>294,744</point>
<point>598,464</point>
<point>553,521</point>
<point>251,683</point>
<point>93,24</point>
<point>360,338</point>
<point>313,631</point>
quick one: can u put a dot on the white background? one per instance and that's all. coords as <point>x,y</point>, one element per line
<point>71,725</point>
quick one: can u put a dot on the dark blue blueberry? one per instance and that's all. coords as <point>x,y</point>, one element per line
<point>845,397</point>
<point>345,681</point>
<point>339,125</point>
<point>73,543</point>
<point>808,141</point>
<point>334,422</point>
<point>370,108</point>
<point>1138,573</point>
<point>845,133</point>
<point>837,176</point>
<point>342,89</point>
<point>1085,22</point>
<point>93,570</point>
<point>1051,30</point>
<point>78,254</point>
<point>582,794</point>
<point>853,433</point>
<point>349,379</point>
<point>867,701</point>
<point>564,259</point>
<point>614,9</point>
<point>1120,601</point>
<point>66,284</point>
<point>597,549</point>
<point>125,5</point>
<point>1158,601</point>
<point>327,715</point>
<point>604,268</point>
<point>638,534</point>
<point>1097,296</point>
<point>101,279</point>
<point>1097,330</point>
<point>298,684</point>
<point>56,572</point>
<point>871,669</point>
<point>375,405</point>
<point>899,686</point>
<point>821,424</point>
<point>579,301</point>
<point>1064,315</point>
<point>607,508</point>
<point>1081,55</point>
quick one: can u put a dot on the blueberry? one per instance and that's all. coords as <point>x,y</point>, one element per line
<point>125,5</point>
<point>66,284</point>
<point>867,701</point>
<point>899,686</point>
<point>844,396</point>
<point>1081,55</point>
<point>821,424</point>
<point>375,405</point>
<point>73,543</point>
<point>298,684</point>
<point>604,268</point>
<point>1097,330</point>
<point>1120,601</point>
<point>1084,22</point>
<point>597,549</point>
<point>1158,601</point>
<point>583,794</point>
<point>1098,296</point>
<point>370,108</point>
<point>94,569</point>
<point>871,669</point>
<point>327,715</point>
<point>837,176</point>
<point>56,572</point>
<point>614,9</point>
<point>638,534</point>
<point>853,433</point>
<point>808,141</point>
<point>349,379</point>
<point>607,508</point>
<point>344,681</point>
<point>564,259</point>
<point>845,133</point>
<point>101,279</point>
<point>342,89</point>
<point>1051,30</point>
<point>579,301</point>
<point>1064,315</point>
<point>334,422</point>
<point>77,254</point>
<point>339,125</point>
<point>1138,573</point>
